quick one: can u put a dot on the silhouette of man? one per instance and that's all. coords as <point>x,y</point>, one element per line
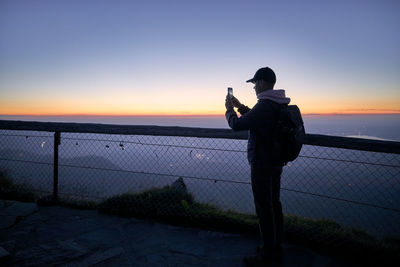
<point>266,170</point>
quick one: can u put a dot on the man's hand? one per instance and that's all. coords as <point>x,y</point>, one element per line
<point>228,103</point>
<point>235,102</point>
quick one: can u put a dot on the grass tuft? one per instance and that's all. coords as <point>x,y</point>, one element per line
<point>11,191</point>
<point>177,207</point>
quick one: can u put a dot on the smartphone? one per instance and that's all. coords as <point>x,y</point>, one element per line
<point>230,92</point>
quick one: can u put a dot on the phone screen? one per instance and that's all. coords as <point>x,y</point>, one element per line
<point>230,91</point>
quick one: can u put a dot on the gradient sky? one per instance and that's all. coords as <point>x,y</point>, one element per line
<point>177,57</point>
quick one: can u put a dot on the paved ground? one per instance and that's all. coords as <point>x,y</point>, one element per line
<point>39,236</point>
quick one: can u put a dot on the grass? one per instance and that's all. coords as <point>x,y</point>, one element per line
<point>11,191</point>
<point>176,207</point>
<point>345,242</point>
<point>25,193</point>
<point>75,203</point>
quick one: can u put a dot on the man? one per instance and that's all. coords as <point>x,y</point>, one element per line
<point>262,151</point>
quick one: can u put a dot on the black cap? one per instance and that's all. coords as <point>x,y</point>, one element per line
<point>265,74</point>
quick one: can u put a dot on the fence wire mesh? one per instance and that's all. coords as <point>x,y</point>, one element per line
<point>354,188</point>
<point>27,158</point>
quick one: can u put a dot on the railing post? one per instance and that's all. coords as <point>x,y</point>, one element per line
<point>57,142</point>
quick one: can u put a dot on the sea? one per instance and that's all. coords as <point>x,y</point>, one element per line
<point>372,126</point>
<point>355,188</point>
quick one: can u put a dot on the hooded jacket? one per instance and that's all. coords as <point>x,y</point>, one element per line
<point>261,122</point>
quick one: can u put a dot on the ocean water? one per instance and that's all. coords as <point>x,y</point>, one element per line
<point>359,189</point>
<point>380,126</point>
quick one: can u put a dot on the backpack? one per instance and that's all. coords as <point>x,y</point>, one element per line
<point>290,133</point>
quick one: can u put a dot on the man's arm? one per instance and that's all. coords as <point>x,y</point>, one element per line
<point>251,119</point>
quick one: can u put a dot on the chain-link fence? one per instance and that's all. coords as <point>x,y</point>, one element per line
<point>355,188</point>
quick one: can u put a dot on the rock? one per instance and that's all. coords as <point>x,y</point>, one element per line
<point>51,253</point>
<point>14,212</point>
<point>8,245</point>
<point>101,256</point>
<point>3,253</point>
<point>179,185</point>
<point>7,221</point>
<point>47,201</point>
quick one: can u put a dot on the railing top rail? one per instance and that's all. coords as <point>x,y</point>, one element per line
<point>311,139</point>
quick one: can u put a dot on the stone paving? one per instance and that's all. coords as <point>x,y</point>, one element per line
<point>32,235</point>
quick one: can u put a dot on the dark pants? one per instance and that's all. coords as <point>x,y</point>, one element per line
<point>266,185</point>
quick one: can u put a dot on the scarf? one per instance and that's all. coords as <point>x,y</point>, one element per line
<point>277,96</point>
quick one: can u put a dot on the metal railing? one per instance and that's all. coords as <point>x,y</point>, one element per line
<point>355,182</point>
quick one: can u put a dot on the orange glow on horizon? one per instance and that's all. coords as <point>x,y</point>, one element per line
<point>222,113</point>
<point>169,107</point>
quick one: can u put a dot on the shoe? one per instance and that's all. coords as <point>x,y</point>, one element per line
<point>254,261</point>
<point>260,261</point>
<point>275,254</point>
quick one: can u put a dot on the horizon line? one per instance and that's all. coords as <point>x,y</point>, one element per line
<point>192,115</point>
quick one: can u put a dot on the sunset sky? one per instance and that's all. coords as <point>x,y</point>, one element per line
<point>178,57</point>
